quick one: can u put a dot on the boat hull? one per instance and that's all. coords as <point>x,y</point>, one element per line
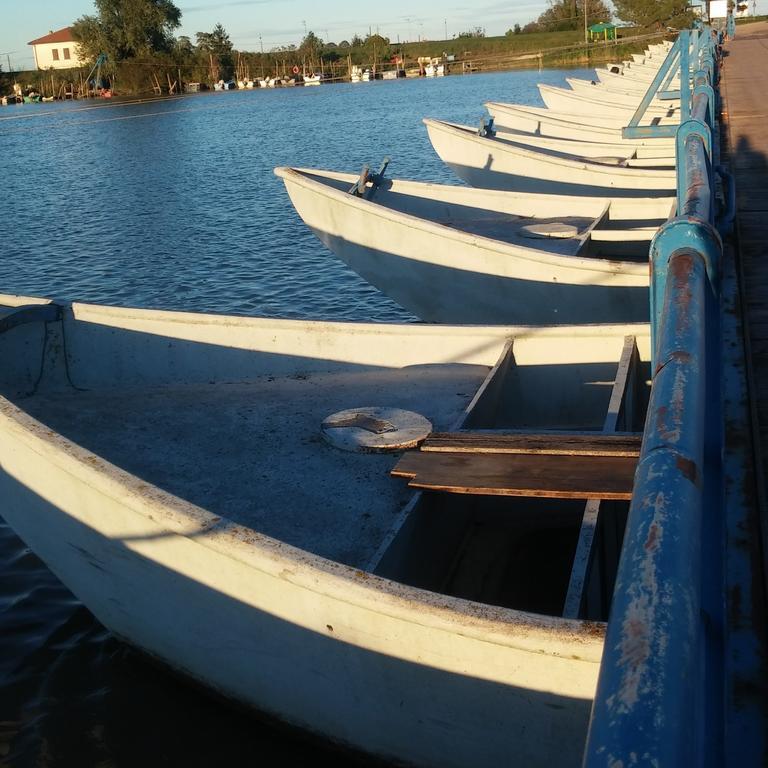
<point>398,672</point>
<point>578,103</point>
<point>492,164</point>
<point>566,126</point>
<point>446,276</point>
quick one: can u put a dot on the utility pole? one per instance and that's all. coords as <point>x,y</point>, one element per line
<point>586,32</point>
<point>445,25</point>
<point>7,54</point>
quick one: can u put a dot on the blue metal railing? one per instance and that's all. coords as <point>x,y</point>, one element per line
<point>693,50</point>
<point>656,686</point>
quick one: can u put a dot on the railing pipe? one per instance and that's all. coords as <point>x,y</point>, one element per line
<point>654,690</point>
<point>685,75</point>
<point>697,201</point>
<point>647,689</point>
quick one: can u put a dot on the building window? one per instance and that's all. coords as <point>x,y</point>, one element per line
<point>55,54</point>
<point>66,54</point>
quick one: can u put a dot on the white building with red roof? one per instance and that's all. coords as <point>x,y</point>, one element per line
<point>57,50</point>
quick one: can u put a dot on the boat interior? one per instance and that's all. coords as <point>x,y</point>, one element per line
<point>568,226</point>
<point>517,498</point>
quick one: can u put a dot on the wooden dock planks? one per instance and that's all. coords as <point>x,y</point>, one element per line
<point>745,123</point>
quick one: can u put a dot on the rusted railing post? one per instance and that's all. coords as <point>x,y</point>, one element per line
<point>653,687</point>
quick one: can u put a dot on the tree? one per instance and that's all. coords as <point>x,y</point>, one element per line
<point>184,47</point>
<point>218,46</point>
<point>125,29</point>
<point>472,33</point>
<point>376,47</point>
<point>563,15</point>
<point>654,13</point>
<point>356,41</point>
<point>311,47</point>
<point>216,42</point>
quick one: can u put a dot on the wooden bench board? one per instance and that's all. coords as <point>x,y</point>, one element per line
<point>514,474</point>
<point>594,444</point>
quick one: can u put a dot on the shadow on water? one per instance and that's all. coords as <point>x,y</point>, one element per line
<point>73,695</point>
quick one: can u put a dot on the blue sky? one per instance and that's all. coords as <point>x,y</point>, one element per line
<point>282,21</point>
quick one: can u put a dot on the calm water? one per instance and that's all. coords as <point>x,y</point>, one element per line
<point>174,205</point>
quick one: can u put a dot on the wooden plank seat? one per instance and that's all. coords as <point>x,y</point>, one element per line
<point>553,466</point>
<point>551,443</point>
<point>10,317</point>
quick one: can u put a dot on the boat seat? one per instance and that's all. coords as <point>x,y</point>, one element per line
<point>550,229</point>
<point>10,317</point>
<point>564,466</point>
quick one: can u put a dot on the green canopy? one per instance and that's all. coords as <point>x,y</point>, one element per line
<point>604,30</point>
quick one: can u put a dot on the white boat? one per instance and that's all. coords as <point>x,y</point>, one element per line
<point>626,73</point>
<point>545,122</point>
<point>356,76</point>
<point>611,80</point>
<point>610,105</point>
<point>434,70</point>
<point>313,79</point>
<point>169,468</point>
<point>450,254</point>
<point>648,70</point>
<point>616,150</point>
<point>493,163</point>
<point>625,94</point>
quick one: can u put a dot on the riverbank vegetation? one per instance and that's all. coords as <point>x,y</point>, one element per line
<point>144,55</point>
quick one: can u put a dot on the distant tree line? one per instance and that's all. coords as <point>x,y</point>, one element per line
<point>140,32</point>
<point>563,15</point>
<point>136,34</point>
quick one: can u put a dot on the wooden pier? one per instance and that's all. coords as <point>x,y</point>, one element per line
<point>745,151</point>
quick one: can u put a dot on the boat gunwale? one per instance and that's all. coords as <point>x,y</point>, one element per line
<point>303,569</point>
<point>570,121</point>
<point>516,136</point>
<point>577,163</point>
<point>624,147</point>
<point>275,558</point>
<point>633,269</point>
<point>654,108</point>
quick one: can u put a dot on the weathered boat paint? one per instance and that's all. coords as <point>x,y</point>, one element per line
<point>400,672</point>
<point>563,125</point>
<point>573,102</point>
<point>421,245</point>
<point>495,164</point>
